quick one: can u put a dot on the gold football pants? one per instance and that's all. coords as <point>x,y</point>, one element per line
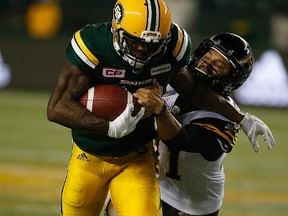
<point>131,180</point>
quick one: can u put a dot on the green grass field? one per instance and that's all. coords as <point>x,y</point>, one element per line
<point>34,154</point>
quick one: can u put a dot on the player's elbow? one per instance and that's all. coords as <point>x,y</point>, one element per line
<point>51,113</point>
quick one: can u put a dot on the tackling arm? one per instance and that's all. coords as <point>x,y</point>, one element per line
<point>150,98</point>
<point>198,94</point>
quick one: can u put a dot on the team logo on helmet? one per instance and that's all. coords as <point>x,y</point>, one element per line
<point>247,60</point>
<point>118,13</point>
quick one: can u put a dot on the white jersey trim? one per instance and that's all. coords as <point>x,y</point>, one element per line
<point>81,55</point>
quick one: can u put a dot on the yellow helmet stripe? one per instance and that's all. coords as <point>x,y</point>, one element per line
<point>181,45</point>
<point>153,15</point>
<point>85,50</point>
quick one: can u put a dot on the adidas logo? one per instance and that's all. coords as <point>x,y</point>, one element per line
<point>83,157</point>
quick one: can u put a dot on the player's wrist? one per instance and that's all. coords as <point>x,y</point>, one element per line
<point>162,111</point>
<point>244,119</point>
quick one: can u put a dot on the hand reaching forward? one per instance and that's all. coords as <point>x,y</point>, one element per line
<point>252,127</point>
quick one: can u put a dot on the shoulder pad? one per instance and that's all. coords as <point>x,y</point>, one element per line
<point>183,42</point>
<point>79,44</point>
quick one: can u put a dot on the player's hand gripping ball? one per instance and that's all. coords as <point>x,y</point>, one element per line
<point>108,101</point>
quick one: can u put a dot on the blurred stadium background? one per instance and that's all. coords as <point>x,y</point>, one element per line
<point>34,152</point>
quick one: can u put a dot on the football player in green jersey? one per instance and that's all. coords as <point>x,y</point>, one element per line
<point>139,45</point>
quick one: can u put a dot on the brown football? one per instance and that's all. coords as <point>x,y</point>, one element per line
<point>108,101</point>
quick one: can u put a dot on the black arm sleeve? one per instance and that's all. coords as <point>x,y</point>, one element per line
<point>179,141</point>
<point>203,135</point>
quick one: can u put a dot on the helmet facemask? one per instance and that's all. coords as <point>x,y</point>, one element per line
<point>152,48</point>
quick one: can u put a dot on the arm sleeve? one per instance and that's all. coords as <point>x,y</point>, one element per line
<point>203,135</point>
<point>179,141</point>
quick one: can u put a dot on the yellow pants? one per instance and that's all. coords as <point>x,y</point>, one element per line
<point>131,180</point>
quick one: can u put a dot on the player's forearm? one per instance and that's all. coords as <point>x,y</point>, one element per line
<point>209,100</point>
<point>168,127</point>
<point>198,94</point>
<point>63,106</point>
<point>76,117</point>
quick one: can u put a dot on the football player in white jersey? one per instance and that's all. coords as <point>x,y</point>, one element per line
<point>194,144</point>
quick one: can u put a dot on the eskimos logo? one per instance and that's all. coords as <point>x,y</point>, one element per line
<point>118,13</point>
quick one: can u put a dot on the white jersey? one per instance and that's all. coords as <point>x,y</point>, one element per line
<point>189,182</point>
<point>200,189</point>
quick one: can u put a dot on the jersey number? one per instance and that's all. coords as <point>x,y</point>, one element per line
<point>173,166</point>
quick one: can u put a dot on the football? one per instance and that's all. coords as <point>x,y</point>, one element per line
<point>108,101</point>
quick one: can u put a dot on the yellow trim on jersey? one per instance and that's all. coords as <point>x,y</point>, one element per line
<point>232,136</point>
<point>181,44</point>
<point>216,130</point>
<point>80,54</point>
<point>84,49</point>
<point>230,133</point>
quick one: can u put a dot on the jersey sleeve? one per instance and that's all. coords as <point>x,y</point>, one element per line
<point>181,45</point>
<point>215,132</point>
<point>81,50</point>
<point>204,135</point>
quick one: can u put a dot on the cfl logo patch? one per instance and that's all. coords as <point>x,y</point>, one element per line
<point>113,73</point>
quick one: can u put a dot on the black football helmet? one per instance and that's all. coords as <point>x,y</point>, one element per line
<point>238,53</point>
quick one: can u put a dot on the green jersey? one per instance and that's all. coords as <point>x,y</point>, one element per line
<point>92,51</point>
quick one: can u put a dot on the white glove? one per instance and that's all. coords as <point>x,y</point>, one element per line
<point>125,123</point>
<point>252,127</point>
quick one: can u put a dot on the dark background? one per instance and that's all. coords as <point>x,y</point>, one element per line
<point>36,61</point>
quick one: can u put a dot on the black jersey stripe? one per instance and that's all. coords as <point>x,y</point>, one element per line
<point>153,15</point>
<point>157,20</point>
